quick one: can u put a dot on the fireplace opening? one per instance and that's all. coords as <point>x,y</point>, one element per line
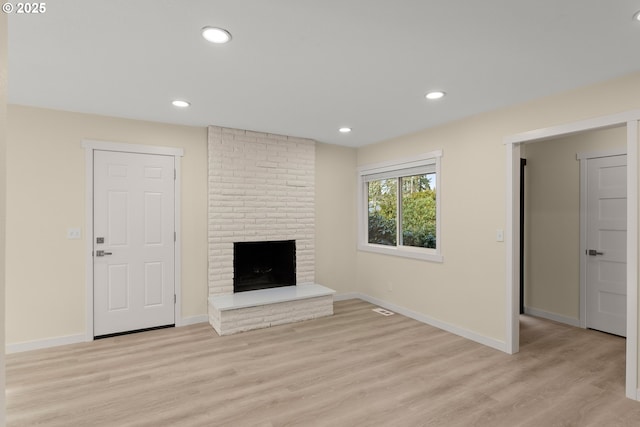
<point>262,265</point>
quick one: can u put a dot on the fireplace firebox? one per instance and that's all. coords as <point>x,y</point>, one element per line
<point>262,265</point>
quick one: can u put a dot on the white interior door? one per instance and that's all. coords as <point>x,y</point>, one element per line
<point>134,241</point>
<point>606,243</point>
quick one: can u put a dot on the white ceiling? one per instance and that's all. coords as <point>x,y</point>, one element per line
<point>307,67</point>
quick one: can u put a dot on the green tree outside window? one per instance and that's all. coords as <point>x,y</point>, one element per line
<point>418,207</point>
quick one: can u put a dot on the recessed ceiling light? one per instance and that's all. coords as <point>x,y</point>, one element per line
<point>344,130</point>
<point>216,35</point>
<point>436,94</point>
<point>180,103</point>
<point>636,16</point>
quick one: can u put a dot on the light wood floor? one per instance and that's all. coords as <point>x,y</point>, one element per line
<point>356,368</point>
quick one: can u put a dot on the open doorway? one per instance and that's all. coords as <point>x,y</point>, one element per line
<point>514,145</point>
<point>554,257</point>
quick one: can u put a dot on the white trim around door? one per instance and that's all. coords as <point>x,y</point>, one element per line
<point>90,146</point>
<point>513,142</point>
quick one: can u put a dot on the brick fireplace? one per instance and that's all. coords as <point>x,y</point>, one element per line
<point>261,188</point>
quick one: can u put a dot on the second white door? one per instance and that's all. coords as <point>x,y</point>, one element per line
<point>134,241</point>
<point>606,243</point>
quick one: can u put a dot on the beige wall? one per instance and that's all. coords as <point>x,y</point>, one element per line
<point>3,140</point>
<point>336,217</point>
<point>467,290</point>
<point>552,224</point>
<point>46,195</point>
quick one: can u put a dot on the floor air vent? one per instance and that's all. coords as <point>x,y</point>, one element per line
<point>383,311</point>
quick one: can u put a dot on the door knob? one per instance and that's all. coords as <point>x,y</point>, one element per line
<point>102,253</point>
<point>593,252</point>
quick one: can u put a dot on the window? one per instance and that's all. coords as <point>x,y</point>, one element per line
<point>400,207</point>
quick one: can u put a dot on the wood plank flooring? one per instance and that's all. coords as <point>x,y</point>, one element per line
<point>356,368</point>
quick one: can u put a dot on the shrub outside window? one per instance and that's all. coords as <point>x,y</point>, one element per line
<point>401,207</point>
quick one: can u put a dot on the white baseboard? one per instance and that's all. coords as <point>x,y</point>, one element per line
<point>45,343</point>
<point>192,320</point>
<point>346,296</point>
<point>465,333</point>
<point>74,339</point>
<point>552,316</point>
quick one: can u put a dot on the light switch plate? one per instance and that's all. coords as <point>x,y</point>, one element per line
<point>74,233</point>
<point>499,236</point>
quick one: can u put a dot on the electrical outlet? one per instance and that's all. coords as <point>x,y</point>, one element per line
<point>74,233</point>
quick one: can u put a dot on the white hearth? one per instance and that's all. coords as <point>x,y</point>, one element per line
<point>245,311</point>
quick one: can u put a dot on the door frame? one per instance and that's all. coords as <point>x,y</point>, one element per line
<point>513,144</point>
<point>584,157</point>
<point>90,147</point>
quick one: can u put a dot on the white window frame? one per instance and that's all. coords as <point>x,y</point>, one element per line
<point>390,167</point>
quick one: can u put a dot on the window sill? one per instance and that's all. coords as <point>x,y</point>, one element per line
<point>403,251</point>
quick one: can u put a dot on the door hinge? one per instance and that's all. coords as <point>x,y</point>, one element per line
<point>175,174</point>
<point>175,238</point>
<point>175,298</point>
